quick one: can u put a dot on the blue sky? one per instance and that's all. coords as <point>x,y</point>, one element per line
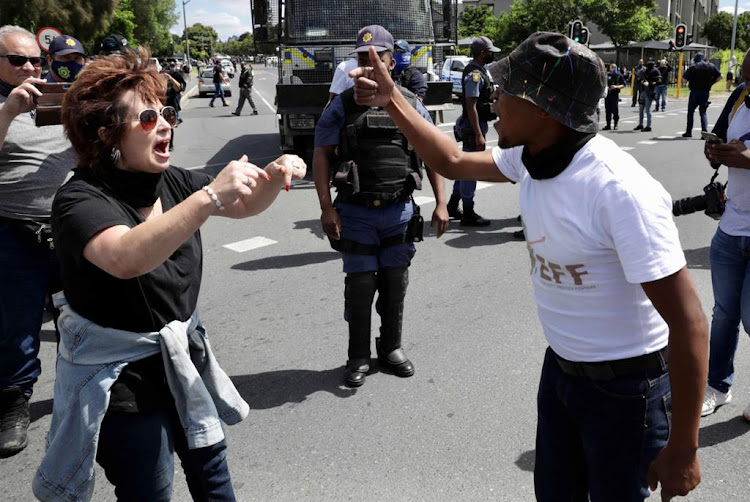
<point>232,17</point>
<point>228,17</point>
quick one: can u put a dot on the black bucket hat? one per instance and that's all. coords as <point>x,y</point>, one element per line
<point>560,76</point>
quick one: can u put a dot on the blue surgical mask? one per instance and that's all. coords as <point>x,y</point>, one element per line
<point>403,60</point>
<point>67,70</point>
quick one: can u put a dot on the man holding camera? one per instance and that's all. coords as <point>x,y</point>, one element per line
<point>34,162</point>
<point>729,250</point>
<point>614,296</point>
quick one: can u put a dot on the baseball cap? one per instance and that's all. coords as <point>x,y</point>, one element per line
<point>374,36</point>
<point>114,44</point>
<point>480,44</point>
<point>560,76</point>
<point>64,44</point>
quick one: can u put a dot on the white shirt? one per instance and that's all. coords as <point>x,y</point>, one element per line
<point>341,79</point>
<point>594,233</point>
<point>736,218</point>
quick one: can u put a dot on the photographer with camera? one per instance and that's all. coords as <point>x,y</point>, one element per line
<point>729,248</point>
<point>34,162</point>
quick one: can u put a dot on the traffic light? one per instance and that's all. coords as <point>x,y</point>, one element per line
<point>576,30</point>
<point>680,35</point>
<point>584,36</point>
<point>690,38</point>
<point>671,45</point>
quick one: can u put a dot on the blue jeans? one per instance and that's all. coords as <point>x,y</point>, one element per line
<point>697,99</point>
<point>370,225</point>
<point>137,450</point>
<point>467,188</point>
<point>730,271</point>
<point>597,439</point>
<point>218,93</point>
<point>28,274</point>
<point>644,105</point>
<point>661,91</point>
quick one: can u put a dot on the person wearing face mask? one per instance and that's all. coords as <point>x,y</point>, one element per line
<point>66,59</point>
<point>477,91</point>
<point>34,162</point>
<point>408,76</point>
<point>136,380</point>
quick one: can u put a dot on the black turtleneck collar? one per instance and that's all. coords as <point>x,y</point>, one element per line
<point>137,189</point>
<point>553,160</point>
<point>5,88</point>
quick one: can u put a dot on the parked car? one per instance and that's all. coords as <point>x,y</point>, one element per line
<point>206,84</point>
<point>228,67</point>
<point>452,71</point>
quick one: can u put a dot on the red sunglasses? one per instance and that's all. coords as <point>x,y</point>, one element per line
<point>149,117</point>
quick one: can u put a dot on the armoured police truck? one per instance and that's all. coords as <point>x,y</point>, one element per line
<point>314,36</point>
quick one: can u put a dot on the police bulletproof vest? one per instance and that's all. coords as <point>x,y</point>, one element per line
<point>484,101</point>
<point>376,164</point>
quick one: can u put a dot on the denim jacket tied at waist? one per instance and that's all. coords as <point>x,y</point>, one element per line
<point>90,359</point>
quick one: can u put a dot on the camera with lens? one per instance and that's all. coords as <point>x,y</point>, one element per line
<point>49,104</point>
<point>712,201</point>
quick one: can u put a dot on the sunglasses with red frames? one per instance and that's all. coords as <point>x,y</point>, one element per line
<point>17,60</point>
<point>149,117</point>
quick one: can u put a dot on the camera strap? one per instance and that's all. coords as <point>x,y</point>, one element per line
<point>713,178</point>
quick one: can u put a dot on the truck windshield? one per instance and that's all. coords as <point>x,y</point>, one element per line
<point>311,21</point>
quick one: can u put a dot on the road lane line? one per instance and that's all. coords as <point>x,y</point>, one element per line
<point>483,184</point>
<point>647,142</point>
<point>665,137</point>
<point>422,200</point>
<point>249,244</point>
<point>626,148</point>
<point>264,100</point>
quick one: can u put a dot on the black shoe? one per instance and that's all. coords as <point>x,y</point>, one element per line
<point>255,112</point>
<point>356,371</point>
<point>472,219</point>
<point>211,105</point>
<point>518,234</point>
<point>236,114</point>
<point>395,361</point>
<point>606,128</point>
<point>638,127</point>
<point>615,127</point>
<point>225,104</point>
<point>646,129</point>
<point>453,211</point>
<point>687,135</point>
<point>14,422</point>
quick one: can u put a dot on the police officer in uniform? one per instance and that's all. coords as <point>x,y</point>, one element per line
<point>615,82</point>
<point>373,221</point>
<point>701,76</point>
<point>477,88</point>
<point>407,75</point>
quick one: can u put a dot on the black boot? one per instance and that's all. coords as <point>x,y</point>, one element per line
<point>453,211</point>
<point>392,283</point>
<point>359,291</point>
<point>472,219</point>
<point>14,422</point>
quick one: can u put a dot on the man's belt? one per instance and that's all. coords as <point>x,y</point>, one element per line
<point>608,370</point>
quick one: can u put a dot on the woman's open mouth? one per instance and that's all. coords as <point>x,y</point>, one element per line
<point>162,148</point>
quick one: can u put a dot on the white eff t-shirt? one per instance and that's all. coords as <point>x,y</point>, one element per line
<point>341,79</point>
<point>736,218</point>
<point>594,233</point>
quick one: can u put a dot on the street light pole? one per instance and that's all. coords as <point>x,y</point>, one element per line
<point>187,44</point>
<point>734,32</point>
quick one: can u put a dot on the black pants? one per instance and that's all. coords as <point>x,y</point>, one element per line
<point>611,107</point>
<point>635,92</point>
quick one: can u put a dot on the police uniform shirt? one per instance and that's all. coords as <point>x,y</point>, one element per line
<point>473,84</point>
<point>328,129</point>
<point>614,78</point>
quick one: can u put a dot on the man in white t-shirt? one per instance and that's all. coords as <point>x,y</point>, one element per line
<point>609,275</point>
<point>341,79</point>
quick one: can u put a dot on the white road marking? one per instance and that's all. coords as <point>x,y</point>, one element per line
<point>626,148</point>
<point>264,100</point>
<point>483,184</point>
<point>422,200</point>
<point>647,142</point>
<point>665,137</point>
<point>447,124</point>
<point>249,244</point>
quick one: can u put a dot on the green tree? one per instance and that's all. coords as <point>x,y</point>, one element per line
<point>83,19</point>
<point>624,21</point>
<point>529,16</point>
<point>152,19</point>
<point>123,22</point>
<point>202,40</point>
<point>475,21</point>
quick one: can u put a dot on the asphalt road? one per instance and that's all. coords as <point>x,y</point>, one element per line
<point>463,427</point>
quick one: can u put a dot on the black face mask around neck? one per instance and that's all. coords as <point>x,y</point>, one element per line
<point>553,160</point>
<point>135,188</point>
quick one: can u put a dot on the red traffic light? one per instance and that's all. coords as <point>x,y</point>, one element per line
<point>680,36</point>
<point>680,29</point>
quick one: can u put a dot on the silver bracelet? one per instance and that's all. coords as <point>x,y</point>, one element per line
<point>212,194</point>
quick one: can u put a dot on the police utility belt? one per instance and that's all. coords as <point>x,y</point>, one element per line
<point>603,371</point>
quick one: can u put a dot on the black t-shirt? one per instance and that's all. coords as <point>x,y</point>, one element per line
<point>614,78</point>
<point>83,207</point>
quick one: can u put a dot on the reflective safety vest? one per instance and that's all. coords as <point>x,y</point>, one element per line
<point>376,165</point>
